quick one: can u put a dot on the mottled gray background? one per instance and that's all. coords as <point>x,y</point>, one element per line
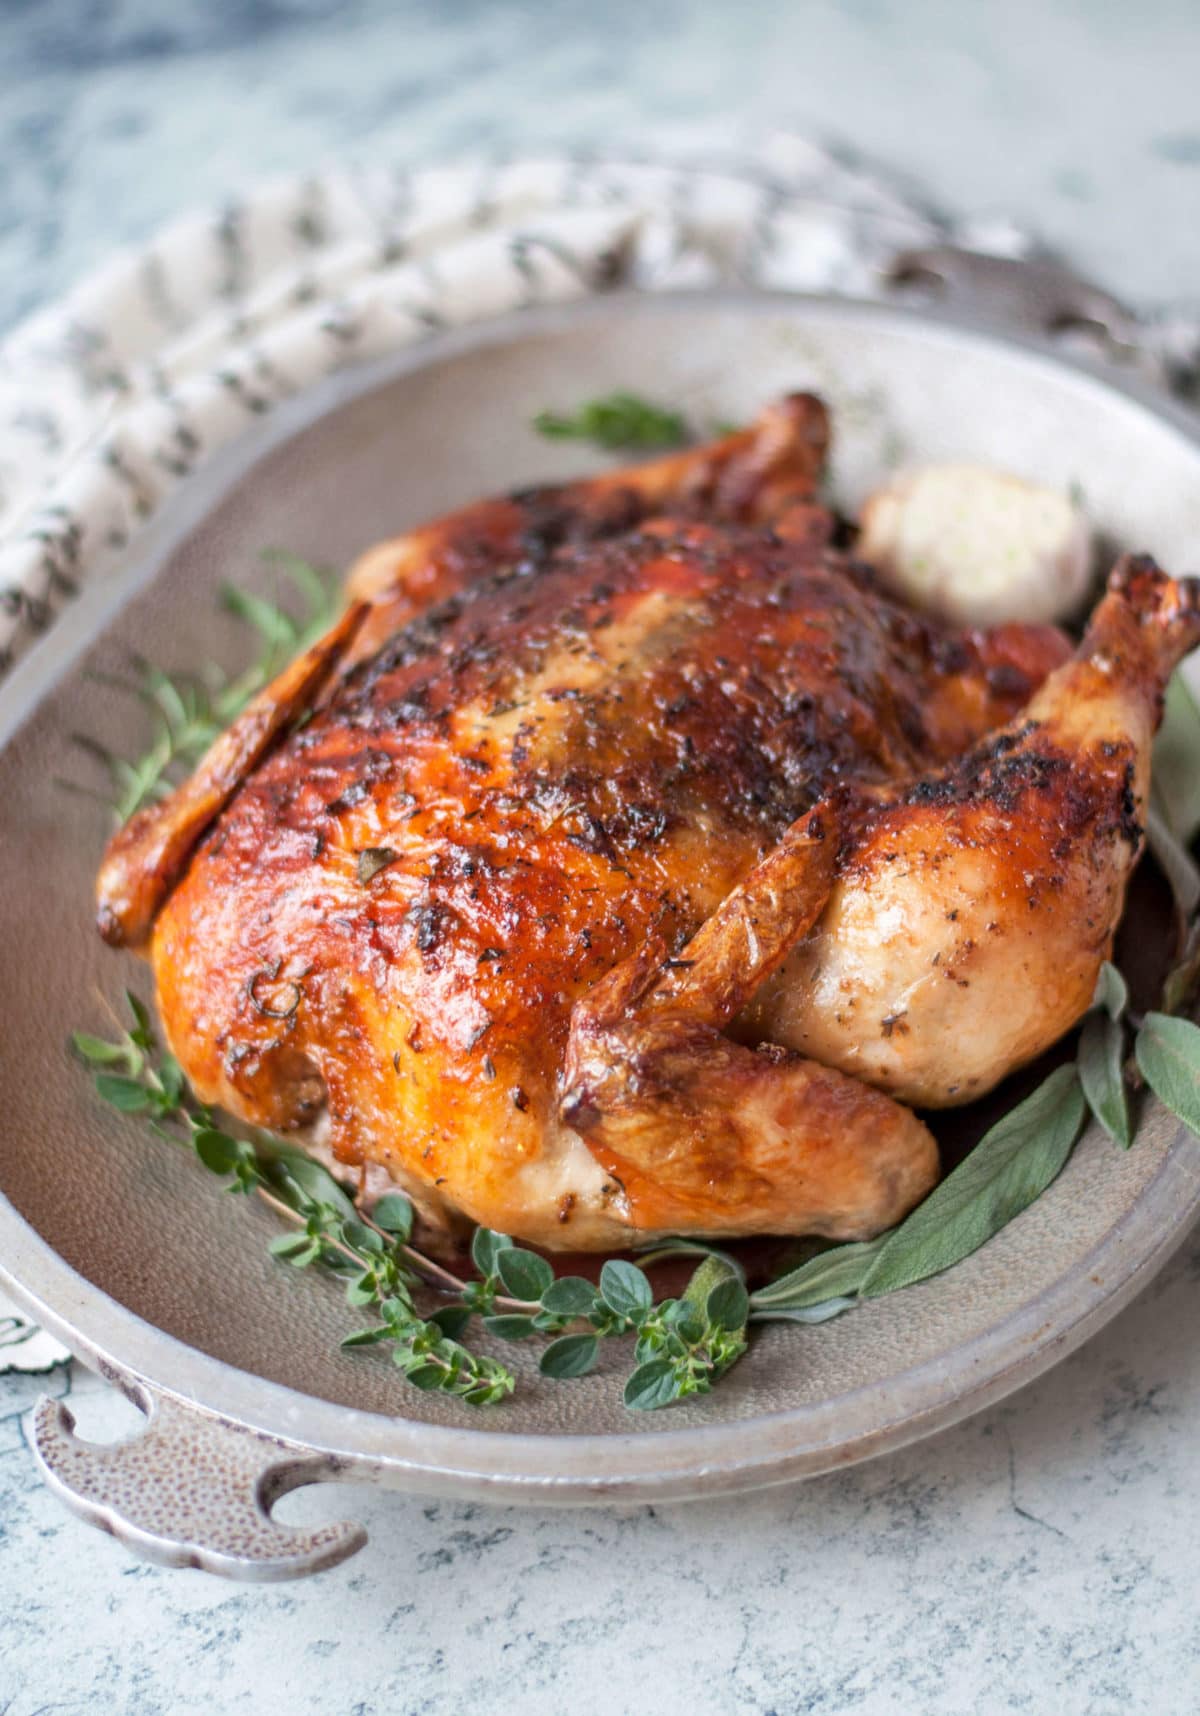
<point>1043,1557</point>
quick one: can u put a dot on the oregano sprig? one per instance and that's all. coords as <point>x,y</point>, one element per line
<point>681,1345</point>
<point>137,1077</point>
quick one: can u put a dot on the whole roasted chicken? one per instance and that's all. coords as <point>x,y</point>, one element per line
<point>626,860</point>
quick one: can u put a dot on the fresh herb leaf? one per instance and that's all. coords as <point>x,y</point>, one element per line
<point>525,1275</point>
<point>570,1355</point>
<point>290,1245</point>
<point>123,1093</point>
<point>1112,992</point>
<point>217,1150</point>
<point>1176,750</point>
<point>625,1289</point>
<point>452,1320</point>
<point>190,712</point>
<point>652,1384</point>
<point>822,1312</point>
<point>728,1305</point>
<point>618,420</point>
<point>510,1327</point>
<point>293,1171</point>
<point>1168,1057</point>
<point>1176,864</point>
<point>486,1247</point>
<point>394,1214</point>
<point>569,1296</point>
<point>96,1051</point>
<point>1101,1061</point>
<point>832,1275</point>
<point>1011,1165</point>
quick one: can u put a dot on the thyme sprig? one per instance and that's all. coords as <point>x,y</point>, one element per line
<point>192,710</point>
<point>617,420</point>
<point>681,1345</point>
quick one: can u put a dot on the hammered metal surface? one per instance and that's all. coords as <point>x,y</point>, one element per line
<point>191,1491</point>
<point>145,1225</point>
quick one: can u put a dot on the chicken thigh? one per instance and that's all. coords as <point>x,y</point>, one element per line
<point>637,851</point>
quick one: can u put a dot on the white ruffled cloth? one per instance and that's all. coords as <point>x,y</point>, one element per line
<point>112,397</point>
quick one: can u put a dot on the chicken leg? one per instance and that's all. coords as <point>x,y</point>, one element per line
<point>974,906</point>
<point>711,1136</point>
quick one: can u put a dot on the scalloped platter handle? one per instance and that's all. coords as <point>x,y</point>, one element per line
<point>192,1490</point>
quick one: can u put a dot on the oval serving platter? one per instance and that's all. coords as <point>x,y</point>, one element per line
<point>141,1264</point>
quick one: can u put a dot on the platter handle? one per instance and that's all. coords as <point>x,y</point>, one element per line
<point>1035,295</point>
<point>192,1490</point>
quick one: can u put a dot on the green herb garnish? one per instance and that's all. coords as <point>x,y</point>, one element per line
<point>192,710</point>
<point>618,420</point>
<point>681,1345</point>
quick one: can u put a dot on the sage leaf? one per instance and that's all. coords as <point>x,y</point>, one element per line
<point>1112,992</point>
<point>822,1313</point>
<point>523,1274</point>
<point>1101,1073</point>
<point>1176,750</point>
<point>1168,1056</point>
<point>625,1289</point>
<point>1175,862</point>
<point>834,1274</point>
<point>652,1384</point>
<point>1011,1165</point>
<point>1184,977</point>
<point>570,1355</point>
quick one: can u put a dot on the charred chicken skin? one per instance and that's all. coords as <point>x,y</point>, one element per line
<point>639,859</point>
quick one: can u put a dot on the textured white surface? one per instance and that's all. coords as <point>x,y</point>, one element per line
<point>1041,1558</point>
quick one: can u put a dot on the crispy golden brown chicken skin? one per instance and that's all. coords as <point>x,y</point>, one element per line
<point>640,851</point>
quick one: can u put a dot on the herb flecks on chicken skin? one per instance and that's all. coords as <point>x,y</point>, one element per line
<point>640,852</point>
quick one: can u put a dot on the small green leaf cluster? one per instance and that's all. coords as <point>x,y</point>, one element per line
<point>618,420</point>
<point>682,1345</point>
<point>135,1076</point>
<point>1011,1165</point>
<point>193,710</point>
